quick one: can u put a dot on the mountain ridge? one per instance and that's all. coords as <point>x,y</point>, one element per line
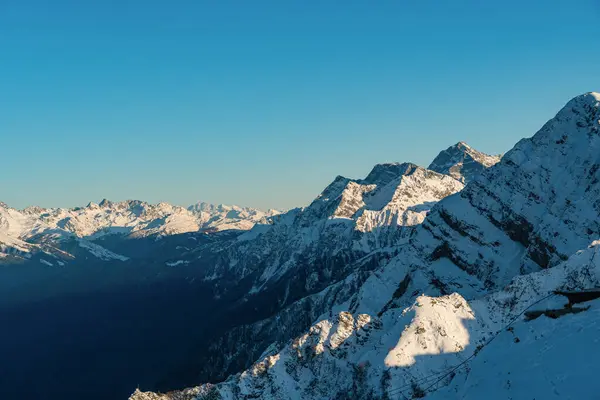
<point>518,231</point>
<point>462,162</point>
<point>290,267</point>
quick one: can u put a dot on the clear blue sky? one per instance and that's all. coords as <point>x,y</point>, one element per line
<point>263,103</point>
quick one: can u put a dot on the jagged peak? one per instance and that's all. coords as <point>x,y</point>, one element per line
<point>462,162</point>
<point>463,145</point>
<point>105,203</point>
<point>34,210</point>
<point>203,206</point>
<point>382,174</point>
<point>465,149</point>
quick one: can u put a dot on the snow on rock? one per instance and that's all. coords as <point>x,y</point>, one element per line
<point>222,217</point>
<point>23,230</point>
<point>438,343</point>
<point>440,328</point>
<point>530,211</point>
<point>132,217</point>
<point>15,229</point>
<point>406,199</point>
<point>354,225</point>
<point>348,220</point>
<point>453,295</point>
<point>462,162</point>
<point>16,224</point>
<point>392,194</point>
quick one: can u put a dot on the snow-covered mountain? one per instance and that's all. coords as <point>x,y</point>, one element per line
<point>532,210</point>
<point>352,227</point>
<point>442,346</point>
<point>462,162</point>
<point>444,318</point>
<point>396,194</point>
<point>122,256</point>
<point>351,216</point>
<point>221,217</point>
<point>35,229</point>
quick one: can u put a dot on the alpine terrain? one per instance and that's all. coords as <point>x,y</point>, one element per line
<point>189,294</point>
<point>405,284</point>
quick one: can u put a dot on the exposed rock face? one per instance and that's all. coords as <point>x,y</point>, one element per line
<point>523,225</point>
<point>354,226</point>
<point>398,194</point>
<point>462,162</point>
<point>533,209</point>
<point>350,219</point>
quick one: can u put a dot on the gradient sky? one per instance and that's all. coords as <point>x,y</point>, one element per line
<point>263,103</point>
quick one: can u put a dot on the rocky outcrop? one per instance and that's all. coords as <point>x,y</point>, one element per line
<point>462,162</point>
<point>533,209</point>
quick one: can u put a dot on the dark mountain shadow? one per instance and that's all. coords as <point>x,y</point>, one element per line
<point>101,344</point>
<point>96,330</point>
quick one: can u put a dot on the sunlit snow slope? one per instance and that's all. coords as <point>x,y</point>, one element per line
<point>445,317</point>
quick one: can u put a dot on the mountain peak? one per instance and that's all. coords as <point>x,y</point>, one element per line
<point>382,174</point>
<point>462,162</point>
<point>584,104</point>
<point>105,203</point>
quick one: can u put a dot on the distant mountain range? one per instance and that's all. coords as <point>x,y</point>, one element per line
<point>37,229</point>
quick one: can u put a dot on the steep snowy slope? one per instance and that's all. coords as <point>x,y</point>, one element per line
<point>534,208</point>
<point>352,227</point>
<point>438,341</point>
<point>16,228</point>
<point>529,212</point>
<point>462,162</point>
